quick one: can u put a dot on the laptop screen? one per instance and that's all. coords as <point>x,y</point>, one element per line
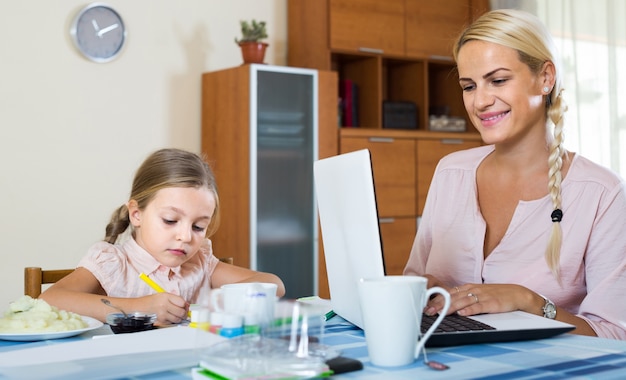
<point>346,199</point>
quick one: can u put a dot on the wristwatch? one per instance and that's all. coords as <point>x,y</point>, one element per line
<point>549,309</point>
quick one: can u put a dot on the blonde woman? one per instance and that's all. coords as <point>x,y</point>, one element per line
<point>521,223</point>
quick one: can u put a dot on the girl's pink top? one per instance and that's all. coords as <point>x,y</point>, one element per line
<point>117,268</point>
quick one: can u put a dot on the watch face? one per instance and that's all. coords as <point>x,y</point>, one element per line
<point>549,311</point>
<point>98,32</point>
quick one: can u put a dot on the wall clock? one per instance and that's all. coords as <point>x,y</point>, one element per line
<point>98,32</point>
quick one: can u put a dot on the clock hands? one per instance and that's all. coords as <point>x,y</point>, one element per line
<point>102,32</point>
<point>109,28</point>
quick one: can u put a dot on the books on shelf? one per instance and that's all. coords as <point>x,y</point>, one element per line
<point>349,103</point>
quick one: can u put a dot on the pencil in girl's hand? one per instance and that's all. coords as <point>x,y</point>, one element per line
<point>151,282</point>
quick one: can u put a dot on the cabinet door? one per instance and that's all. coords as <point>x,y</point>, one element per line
<point>429,152</point>
<point>432,26</point>
<point>281,189</point>
<point>397,235</point>
<point>367,25</point>
<point>393,162</point>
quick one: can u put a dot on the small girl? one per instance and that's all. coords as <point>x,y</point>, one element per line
<point>173,209</point>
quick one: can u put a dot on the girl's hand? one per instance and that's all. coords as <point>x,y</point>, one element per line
<point>169,308</point>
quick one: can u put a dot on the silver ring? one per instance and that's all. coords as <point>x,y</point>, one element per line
<point>473,295</point>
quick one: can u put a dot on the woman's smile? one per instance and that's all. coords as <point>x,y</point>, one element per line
<point>492,118</point>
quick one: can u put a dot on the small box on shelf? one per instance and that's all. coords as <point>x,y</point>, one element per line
<point>439,120</point>
<point>446,123</point>
<point>400,115</point>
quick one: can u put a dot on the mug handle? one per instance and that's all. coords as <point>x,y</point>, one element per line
<point>442,314</point>
<point>214,296</point>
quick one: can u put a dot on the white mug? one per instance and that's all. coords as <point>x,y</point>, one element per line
<point>253,300</point>
<point>392,308</point>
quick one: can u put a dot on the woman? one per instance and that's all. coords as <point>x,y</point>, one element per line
<point>528,226</point>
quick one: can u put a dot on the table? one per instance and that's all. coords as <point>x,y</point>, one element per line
<point>567,356</point>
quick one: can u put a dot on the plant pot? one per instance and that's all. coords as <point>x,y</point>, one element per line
<point>253,52</point>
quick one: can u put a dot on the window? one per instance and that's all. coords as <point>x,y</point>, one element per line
<point>591,38</point>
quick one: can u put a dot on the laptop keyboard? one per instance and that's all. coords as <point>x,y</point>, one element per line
<point>454,322</point>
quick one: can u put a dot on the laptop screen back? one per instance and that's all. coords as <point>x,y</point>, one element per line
<point>348,215</point>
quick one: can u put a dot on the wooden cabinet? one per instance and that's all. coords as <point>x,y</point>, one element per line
<point>394,50</point>
<point>403,164</point>
<point>393,164</point>
<point>432,26</point>
<point>367,25</point>
<point>260,127</point>
<point>397,235</point>
<point>429,152</point>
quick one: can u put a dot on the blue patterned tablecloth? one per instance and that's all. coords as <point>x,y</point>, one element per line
<point>564,357</point>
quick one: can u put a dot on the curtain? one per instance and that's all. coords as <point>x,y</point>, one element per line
<point>591,38</point>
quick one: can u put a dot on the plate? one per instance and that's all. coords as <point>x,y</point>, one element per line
<point>92,324</point>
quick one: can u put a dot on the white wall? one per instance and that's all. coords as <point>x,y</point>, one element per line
<point>72,132</point>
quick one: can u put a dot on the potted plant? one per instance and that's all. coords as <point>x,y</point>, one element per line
<point>252,49</point>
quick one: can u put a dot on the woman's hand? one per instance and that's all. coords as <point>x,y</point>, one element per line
<point>471,299</point>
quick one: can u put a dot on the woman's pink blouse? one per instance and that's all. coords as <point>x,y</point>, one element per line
<point>449,241</point>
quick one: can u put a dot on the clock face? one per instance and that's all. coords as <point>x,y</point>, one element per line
<point>98,32</point>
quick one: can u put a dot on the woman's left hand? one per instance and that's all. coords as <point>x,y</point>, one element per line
<point>471,299</point>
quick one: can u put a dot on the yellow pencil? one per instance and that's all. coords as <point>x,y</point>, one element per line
<point>150,282</point>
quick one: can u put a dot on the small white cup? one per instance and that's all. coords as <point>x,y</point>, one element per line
<point>392,309</point>
<point>256,299</point>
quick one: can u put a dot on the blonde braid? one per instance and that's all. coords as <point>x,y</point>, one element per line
<point>119,223</point>
<point>556,109</point>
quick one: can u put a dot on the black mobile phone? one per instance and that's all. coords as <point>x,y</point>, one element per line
<point>342,364</point>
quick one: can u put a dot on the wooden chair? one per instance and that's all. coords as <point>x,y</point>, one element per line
<point>35,277</point>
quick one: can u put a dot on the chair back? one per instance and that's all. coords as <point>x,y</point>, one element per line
<point>35,277</point>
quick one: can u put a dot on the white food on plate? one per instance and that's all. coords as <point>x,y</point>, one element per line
<point>29,315</point>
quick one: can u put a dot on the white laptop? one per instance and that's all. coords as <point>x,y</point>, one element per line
<point>348,215</point>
